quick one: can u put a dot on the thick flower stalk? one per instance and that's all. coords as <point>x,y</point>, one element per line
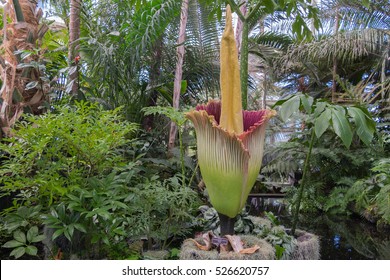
<point>230,141</point>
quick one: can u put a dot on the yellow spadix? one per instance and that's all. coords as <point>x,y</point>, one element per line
<point>230,141</point>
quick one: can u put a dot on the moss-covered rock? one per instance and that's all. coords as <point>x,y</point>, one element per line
<point>308,246</point>
<point>189,251</point>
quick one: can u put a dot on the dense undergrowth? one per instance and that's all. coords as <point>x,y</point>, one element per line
<point>80,185</point>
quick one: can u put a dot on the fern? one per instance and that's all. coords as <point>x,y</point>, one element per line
<point>383,202</point>
<point>382,199</point>
<point>336,203</point>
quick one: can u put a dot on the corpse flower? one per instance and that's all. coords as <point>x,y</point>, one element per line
<point>230,141</point>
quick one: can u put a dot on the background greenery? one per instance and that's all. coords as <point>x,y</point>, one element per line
<point>89,173</point>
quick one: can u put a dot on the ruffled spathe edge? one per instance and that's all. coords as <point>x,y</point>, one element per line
<point>229,163</point>
<point>252,119</point>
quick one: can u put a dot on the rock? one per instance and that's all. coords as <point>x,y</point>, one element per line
<point>156,255</point>
<point>189,251</point>
<point>308,246</point>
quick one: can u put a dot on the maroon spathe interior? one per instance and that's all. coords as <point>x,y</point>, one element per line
<point>252,117</point>
<point>213,108</point>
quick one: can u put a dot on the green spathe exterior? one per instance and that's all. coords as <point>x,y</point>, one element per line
<point>229,163</point>
<point>230,141</point>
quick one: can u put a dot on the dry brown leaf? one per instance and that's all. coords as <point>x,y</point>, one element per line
<point>200,246</point>
<point>235,242</point>
<point>35,99</point>
<point>251,250</point>
<point>206,239</point>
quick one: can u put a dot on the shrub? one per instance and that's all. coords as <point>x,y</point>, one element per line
<point>52,154</point>
<point>70,177</point>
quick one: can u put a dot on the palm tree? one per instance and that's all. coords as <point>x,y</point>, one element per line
<point>358,49</point>
<point>22,89</point>
<point>131,58</point>
<point>73,48</point>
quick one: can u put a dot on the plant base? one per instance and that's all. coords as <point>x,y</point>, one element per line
<point>189,251</point>
<point>227,224</point>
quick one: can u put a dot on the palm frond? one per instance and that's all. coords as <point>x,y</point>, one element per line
<point>269,44</point>
<point>354,16</point>
<point>148,24</point>
<point>202,53</point>
<point>356,52</point>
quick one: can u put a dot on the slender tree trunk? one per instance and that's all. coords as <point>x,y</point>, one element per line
<point>179,69</point>
<point>265,71</point>
<point>312,26</point>
<point>73,52</point>
<point>302,183</point>
<point>334,71</point>
<point>244,57</point>
<point>239,25</point>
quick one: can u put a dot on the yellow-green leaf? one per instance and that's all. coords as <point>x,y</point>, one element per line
<point>31,250</point>
<point>12,244</point>
<point>321,124</point>
<point>20,236</point>
<point>363,129</point>
<point>290,107</point>
<point>341,126</point>
<point>18,252</point>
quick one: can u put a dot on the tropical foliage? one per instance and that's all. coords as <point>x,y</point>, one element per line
<point>84,127</point>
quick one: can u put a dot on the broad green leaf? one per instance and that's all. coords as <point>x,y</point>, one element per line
<point>320,107</point>
<point>307,102</point>
<point>80,227</point>
<point>12,244</point>
<point>279,103</point>
<point>341,126</point>
<point>95,239</point>
<point>38,238</point>
<point>290,107</point>
<point>12,226</point>
<point>31,250</point>
<point>104,214</point>
<point>120,231</point>
<point>31,233</point>
<point>68,235</point>
<point>57,233</point>
<point>363,130</point>
<point>70,229</point>
<point>370,122</point>
<point>18,252</point>
<point>322,123</point>
<point>20,236</point>
<point>105,240</point>
<point>120,204</point>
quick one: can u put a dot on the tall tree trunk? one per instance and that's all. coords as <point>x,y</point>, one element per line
<point>239,26</point>
<point>20,34</point>
<point>312,25</point>
<point>179,69</point>
<point>264,70</point>
<point>73,52</point>
<point>334,71</point>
